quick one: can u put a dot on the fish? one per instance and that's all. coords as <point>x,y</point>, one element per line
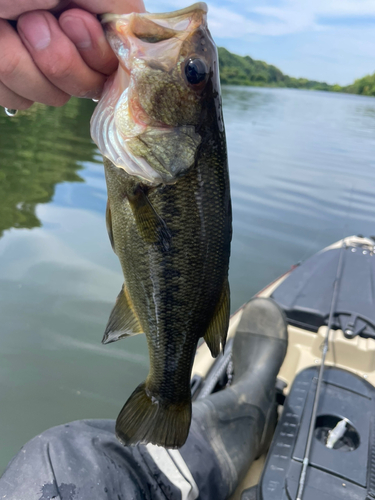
<point>159,126</point>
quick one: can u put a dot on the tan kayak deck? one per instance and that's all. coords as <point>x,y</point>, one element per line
<point>304,350</point>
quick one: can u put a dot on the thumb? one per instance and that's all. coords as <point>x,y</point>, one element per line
<point>107,6</point>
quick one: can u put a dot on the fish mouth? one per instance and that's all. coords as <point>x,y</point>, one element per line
<point>154,41</point>
<point>173,18</point>
<point>153,36</point>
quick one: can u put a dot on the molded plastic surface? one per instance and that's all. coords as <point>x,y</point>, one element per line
<point>306,294</point>
<point>332,474</point>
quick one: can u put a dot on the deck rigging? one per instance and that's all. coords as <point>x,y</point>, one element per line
<point>336,287</point>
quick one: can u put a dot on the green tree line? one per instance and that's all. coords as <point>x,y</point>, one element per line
<point>238,70</point>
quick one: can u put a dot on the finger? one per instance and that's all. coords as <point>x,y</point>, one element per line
<point>13,9</point>
<point>86,32</point>
<point>58,59</point>
<point>19,73</point>
<point>112,6</point>
<point>10,100</point>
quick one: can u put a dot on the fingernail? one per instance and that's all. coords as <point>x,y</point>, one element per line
<point>36,31</point>
<point>76,30</point>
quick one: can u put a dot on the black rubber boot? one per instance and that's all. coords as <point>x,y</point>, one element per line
<point>239,421</point>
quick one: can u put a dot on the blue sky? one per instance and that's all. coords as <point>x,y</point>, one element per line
<point>326,40</point>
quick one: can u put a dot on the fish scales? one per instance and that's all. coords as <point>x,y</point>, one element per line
<point>174,284</point>
<point>173,242</point>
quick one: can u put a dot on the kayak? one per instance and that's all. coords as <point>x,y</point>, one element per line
<point>334,287</point>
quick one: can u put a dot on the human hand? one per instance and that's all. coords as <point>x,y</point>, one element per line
<point>49,59</point>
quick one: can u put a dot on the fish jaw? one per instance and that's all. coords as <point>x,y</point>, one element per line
<point>147,121</point>
<point>153,37</point>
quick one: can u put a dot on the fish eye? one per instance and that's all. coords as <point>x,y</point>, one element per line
<point>196,71</point>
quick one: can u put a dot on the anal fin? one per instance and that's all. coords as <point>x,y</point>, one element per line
<point>123,321</point>
<point>218,328</point>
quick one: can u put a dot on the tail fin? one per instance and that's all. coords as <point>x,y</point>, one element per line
<point>145,420</point>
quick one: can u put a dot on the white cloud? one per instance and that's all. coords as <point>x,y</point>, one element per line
<point>289,16</point>
<point>338,7</point>
<point>228,24</point>
<point>225,23</point>
<point>296,15</point>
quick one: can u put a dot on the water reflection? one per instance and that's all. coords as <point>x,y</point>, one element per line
<point>239,99</point>
<point>39,149</point>
<point>58,281</point>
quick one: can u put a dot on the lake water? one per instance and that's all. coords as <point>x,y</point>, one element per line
<point>302,168</point>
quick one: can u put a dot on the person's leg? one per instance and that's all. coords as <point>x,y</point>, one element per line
<point>84,461</point>
<point>238,422</point>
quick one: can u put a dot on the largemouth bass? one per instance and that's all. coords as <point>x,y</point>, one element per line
<point>160,128</point>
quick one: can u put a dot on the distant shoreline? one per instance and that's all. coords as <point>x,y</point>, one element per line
<point>248,72</point>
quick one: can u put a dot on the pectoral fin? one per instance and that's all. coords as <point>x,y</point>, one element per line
<point>123,321</point>
<point>218,328</point>
<point>150,225</point>
<point>108,220</point>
